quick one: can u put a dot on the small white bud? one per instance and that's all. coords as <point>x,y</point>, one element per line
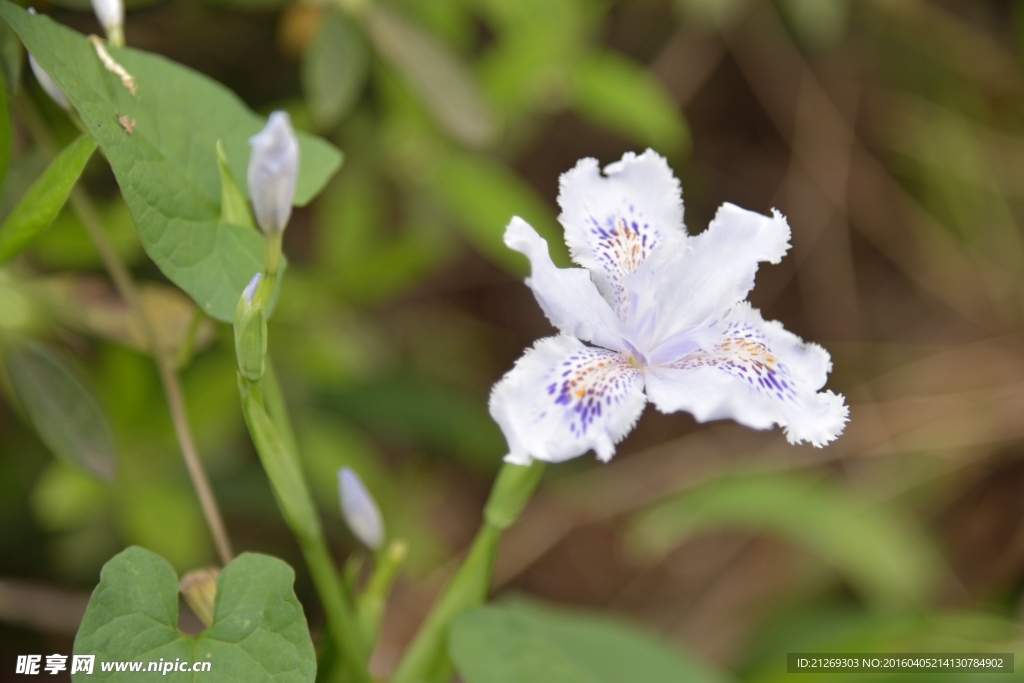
<point>273,172</point>
<point>250,289</point>
<point>111,16</point>
<point>360,509</point>
<point>47,84</point>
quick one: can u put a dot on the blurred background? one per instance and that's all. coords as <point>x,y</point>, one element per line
<point>890,133</point>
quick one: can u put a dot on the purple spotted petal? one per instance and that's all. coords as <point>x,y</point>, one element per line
<point>564,398</point>
<point>756,373</point>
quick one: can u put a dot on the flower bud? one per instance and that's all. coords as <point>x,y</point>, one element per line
<point>111,16</point>
<point>250,289</point>
<point>360,509</point>
<point>46,83</point>
<point>273,172</point>
<point>48,86</point>
<point>251,333</point>
<point>199,588</point>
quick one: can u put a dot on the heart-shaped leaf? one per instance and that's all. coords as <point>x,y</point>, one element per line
<point>258,634</point>
<point>161,143</point>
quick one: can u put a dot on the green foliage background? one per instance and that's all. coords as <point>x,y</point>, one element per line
<point>890,132</point>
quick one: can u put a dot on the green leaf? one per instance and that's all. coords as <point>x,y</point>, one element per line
<point>517,642</point>
<point>444,84</point>
<point>334,69</point>
<point>624,96</point>
<point>11,57</point>
<point>259,631</point>
<point>484,196</point>
<point>282,467</point>
<point>234,206</point>
<point>44,199</point>
<point>888,560</point>
<point>61,409</point>
<point>167,167</point>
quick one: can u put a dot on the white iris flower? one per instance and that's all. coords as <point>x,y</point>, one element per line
<point>666,317</point>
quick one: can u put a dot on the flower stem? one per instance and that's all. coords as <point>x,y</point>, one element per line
<point>372,601</point>
<point>296,505</point>
<point>116,36</point>
<point>276,407</point>
<point>83,207</point>
<point>340,621</point>
<point>427,658</point>
<point>272,256</point>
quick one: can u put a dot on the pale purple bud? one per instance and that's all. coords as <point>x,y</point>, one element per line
<point>360,509</point>
<point>250,289</point>
<point>273,172</point>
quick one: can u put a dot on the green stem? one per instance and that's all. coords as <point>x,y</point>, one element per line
<point>342,625</point>
<point>116,36</point>
<point>372,601</point>
<point>297,508</point>
<point>277,408</point>
<point>467,589</point>
<point>427,658</point>
<point>272,257</point>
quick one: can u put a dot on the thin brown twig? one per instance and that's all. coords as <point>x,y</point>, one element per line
<point>83,206</point>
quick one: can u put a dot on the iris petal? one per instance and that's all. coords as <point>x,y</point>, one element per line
<point>564,398</point>
<point>756,373</point>
<point>613,222</point>
<point>692,286</point>
<point>567,295</point>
